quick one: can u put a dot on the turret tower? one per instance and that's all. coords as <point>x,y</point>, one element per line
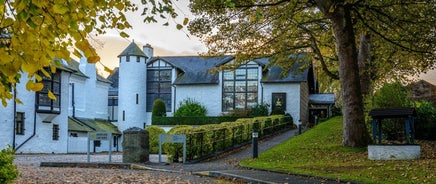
<point>132,88</point>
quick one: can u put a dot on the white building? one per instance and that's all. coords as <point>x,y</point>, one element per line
<point>43,125</point>
<point>141,78</point>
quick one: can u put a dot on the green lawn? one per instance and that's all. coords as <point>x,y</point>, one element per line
<point>319,152</point>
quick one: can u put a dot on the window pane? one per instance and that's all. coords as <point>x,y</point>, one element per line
<point>229,86</point>
<point>165,87</point>
<point>152,75</point>
<point>251,86</point>
<point>152,87</point>
<point>165,75</point>
<point>228,75</point>
<point>241,74</point>
<point>56,88</point>
<point>251,99</point>
<point>43,99</point>
<point>228,101</point>
<point>252,73</point>
<point>57,77</point>
<point>240,100</point>
<point>240,86</point>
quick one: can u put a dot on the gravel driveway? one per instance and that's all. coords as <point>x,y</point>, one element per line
<point>30,172</point>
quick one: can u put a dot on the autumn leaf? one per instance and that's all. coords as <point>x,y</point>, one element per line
<point>51,95</point>
<point>32,86</point>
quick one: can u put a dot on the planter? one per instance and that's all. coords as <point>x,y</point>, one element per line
<point>394,152</point>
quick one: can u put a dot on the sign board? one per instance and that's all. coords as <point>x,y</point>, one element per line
<point>100,136</point>
<point>172,138</point>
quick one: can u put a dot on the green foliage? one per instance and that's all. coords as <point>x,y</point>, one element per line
<point>259,110</point>
<point>323,31</point>
<point>205,140</point>
<point>319,152</point>
<point>425,122</point>
<point>190,107</point>
<point>277,110</point>
<point>153,133</point>
<point>8,171</point>
<point>392,95</point>
<point>192,120</point>
<point>159,108</point>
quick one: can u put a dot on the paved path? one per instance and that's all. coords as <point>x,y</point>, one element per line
<point>226,166</point>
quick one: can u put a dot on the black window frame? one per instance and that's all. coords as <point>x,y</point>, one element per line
<point>234,78</point>
<point>159,84</point>
<point>19,123</point>
<point>113,108</point>
<point>54,84</point>
<point>55,135</point>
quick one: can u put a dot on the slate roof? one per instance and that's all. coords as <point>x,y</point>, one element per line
<point>324,98</point>
<point>132,50</point>
<point>97,125</point>
<point>74,65</point>
<point>196,69</point>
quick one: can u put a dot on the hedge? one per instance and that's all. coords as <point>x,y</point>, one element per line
<point>207,140</point>
<point>156,120</point>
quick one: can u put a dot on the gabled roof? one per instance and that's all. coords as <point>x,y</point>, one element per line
<point>74,65</point>
<point>277,74</point>
<point>132,50</point>
<point>97,125</point>
<point>200,70</point>
<point>196,69</point>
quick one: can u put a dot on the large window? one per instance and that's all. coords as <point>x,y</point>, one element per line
<point>113,108</point>
<point>240,87</point>
<point>159,76</point>
<point>45,104</point>
<point>19,123</point>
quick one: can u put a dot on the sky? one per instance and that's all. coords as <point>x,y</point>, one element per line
<point>166,40</point>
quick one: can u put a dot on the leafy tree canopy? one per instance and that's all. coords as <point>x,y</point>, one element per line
<point>34,33</point>
<point>403,32</point>
<point>354,41</point>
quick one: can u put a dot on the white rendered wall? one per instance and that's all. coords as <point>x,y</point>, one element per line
<point>132,81</point>
<point>41,141</point>
<point>209,96</point>
<point>6,124</point>
<point>292,91</point>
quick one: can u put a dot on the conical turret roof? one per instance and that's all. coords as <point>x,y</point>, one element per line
<point>132,50</point>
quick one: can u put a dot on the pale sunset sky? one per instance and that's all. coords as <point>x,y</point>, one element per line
<point>166,40</point>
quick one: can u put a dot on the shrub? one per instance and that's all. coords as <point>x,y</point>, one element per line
<point>159,108</point>
<point>190,107</point>
<point>277,111</point>
<point>425,124</point>
<point>8,171</point>
<point>259,110</point>
<point>153,133</point>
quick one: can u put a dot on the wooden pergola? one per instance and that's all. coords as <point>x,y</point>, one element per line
<point>386,113</point>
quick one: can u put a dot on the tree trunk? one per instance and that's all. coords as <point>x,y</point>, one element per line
<point>364,60</point>
<point>355,132</point>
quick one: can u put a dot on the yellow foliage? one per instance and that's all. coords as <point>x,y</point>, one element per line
<point>51,95</point>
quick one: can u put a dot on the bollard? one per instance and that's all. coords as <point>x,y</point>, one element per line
<point>255,137</point>
<point>299,129</point>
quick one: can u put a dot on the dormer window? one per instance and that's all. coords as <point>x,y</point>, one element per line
<point>44,104</point>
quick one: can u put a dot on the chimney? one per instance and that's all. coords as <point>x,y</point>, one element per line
<point>148,50</point>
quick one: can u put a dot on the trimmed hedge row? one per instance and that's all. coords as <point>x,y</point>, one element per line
<point>206,140</point>
<point>156,120</point>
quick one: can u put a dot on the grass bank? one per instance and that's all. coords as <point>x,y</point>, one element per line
<point>319,152</point>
